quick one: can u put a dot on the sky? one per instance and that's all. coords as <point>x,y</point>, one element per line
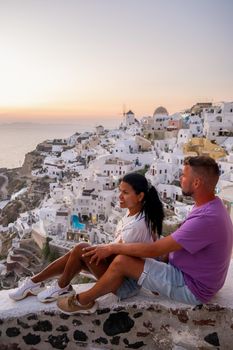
<point>98,58</point>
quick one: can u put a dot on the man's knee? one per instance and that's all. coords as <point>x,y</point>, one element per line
<point>128,266</point>
<point>119,263</point>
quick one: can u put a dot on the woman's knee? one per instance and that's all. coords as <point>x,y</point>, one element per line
<point>78,249</point>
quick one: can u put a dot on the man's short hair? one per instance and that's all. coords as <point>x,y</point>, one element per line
<point>203,165</point>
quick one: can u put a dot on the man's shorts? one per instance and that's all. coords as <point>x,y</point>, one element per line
<point>129,288</point>
<point>167,281</point>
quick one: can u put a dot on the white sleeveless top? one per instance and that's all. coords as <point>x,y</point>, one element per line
<point>132,229</point>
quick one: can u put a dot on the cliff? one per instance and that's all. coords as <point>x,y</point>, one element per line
<point>13,180</point>
<point>32,161</point>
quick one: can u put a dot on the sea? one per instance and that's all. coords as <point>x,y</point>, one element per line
<point>17,139</point>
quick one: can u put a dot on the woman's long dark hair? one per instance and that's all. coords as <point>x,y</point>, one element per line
<point>151,205</point>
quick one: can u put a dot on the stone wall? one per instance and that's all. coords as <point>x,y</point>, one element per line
<point>131,326</point>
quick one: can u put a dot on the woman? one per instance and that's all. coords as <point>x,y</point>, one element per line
<point>142,223</point>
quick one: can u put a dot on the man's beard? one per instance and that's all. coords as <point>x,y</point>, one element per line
<point>187,194</point>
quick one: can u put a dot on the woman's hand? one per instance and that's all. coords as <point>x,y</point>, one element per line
<point>97,253</point>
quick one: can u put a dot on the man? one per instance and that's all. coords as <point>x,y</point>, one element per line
<point>199,251</point>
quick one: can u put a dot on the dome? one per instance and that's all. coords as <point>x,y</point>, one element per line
<point>160,110</point>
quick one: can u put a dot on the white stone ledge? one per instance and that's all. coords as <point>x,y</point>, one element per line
<point>10,308</point>
<point>145,321</point>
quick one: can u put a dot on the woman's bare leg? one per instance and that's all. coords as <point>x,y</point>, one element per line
<point>56,268</point>
<point>68,266</point>
<point>76,263</point>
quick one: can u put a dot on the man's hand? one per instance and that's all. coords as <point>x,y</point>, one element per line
<point>97,253</point>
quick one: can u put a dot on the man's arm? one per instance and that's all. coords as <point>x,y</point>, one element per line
<point>147,250</point>
<point>140,250</point>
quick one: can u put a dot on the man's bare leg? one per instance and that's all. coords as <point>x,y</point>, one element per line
<point>122,266</point>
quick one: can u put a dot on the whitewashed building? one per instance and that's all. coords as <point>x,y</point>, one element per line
<point>129,119</point>
<point>195,125</point>
<point>167,191</point>
<point>161,118</point>
<point>184,135</point>
<point>218,122</point>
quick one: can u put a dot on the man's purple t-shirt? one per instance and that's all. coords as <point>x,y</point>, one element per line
<point>206,237</point>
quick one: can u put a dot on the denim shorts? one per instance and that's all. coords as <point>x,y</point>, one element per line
<point>167,280</point>
<point>129,288</point>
